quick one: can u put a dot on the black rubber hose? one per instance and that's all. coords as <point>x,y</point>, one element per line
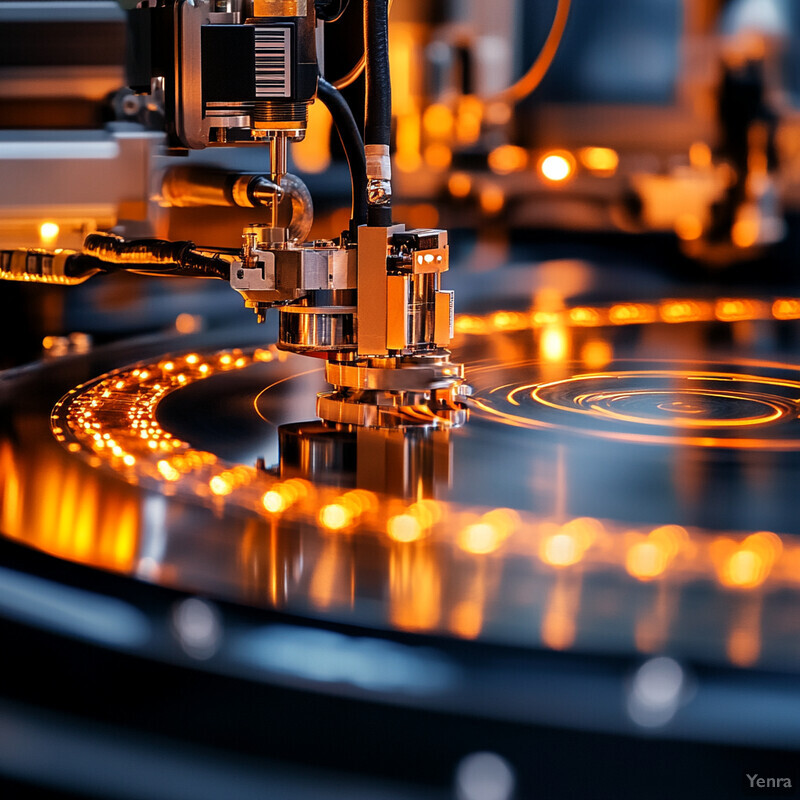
<point>350,137</point>
<point>378,109</point>
<point>378,117</point>
<point>155,256</point>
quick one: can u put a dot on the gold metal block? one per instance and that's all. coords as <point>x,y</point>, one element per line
<point>373,248</point>
<point>280,8</point>
<point>396,312</point>
<point>443,318</point>
<point>437,260</point>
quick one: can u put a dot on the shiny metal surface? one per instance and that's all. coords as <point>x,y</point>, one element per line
<point>540,535</point>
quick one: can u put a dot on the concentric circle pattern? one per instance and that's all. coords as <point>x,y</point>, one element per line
<point>747,406</point>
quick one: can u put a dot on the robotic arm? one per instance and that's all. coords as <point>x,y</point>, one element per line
<point>242,73</point>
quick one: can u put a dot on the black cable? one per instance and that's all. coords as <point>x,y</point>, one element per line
<point>378,116</point>
<point>155,256</point>
<point>378,108</point>
<point>350,137</point>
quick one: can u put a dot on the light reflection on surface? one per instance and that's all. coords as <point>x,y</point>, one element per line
<point>703,408</point>
<point>444,565</point>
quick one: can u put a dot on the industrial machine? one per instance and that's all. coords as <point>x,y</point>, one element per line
<point>280,517</point>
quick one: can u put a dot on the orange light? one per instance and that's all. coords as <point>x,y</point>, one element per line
<point>273,502</point>
<point>408,158</point>
<point>168,471</point>
<point>438,155</point>
<point>631,313</point>
<point>596,354</point>
<point>335,516</point>
<point>730,310</point>
<point>404,528</point>
<point>684,311</point>
<point>221,485</point>
<point>560,550</point>
<point>437,120</point>
<point>585,316</point>
<point>426,512</point>
<point>556,167</point>
<point>554,345</point>
<point>786,308</point>
<point>504,520</point>
<point>688,227</point>
<point>480,538</point>
<point>744,232</point>
<point>313,153</point>
<point>599,159</point>
<point>700,155</point>
<point>645,560</point>
<point>466,619</point>
<point>508,158</point>
<point>748,564</point>
<point>744,569</point>
<point>509,321</point>
<point>465,323</point>
<point>468,119</point>
<point>492,199</point>
<point>48,233</point>
<point>187,323</point>
<point>459,184</point>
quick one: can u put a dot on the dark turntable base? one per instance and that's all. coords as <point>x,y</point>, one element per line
<point>596,578</point>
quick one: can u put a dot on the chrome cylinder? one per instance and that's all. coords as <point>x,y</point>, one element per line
<point>321,328</point>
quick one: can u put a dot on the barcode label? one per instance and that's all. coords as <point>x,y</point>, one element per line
<point>273,62</point>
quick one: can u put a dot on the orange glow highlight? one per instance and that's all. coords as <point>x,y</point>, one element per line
<point>583,315</point>
<point>688,227</point>
<point>221,485</point>
<point>187,323</point>
<point>274,502</point>
<point>437,120</point>
<point>646,560</point>
<point>48,233</point>
<point>508,158</point>
<point>466,619</point>
<point>335,517</point>
<point>744,232</point>
<point>313,153</point>
<point>438,155</point>
<point>167,471</point>
<point>509,321</point>
<point>731,310</point>
<point>747,565</point>
<point>558,624</point>
<point>700,155</point>
<point>459,185</point>
<point>786,308</point>
<point>414,588</point>
<point>492,199</point>
<point>596,354</point>
<point>631,313</point>
<point>599,159</point>
<point>408,157</point>
<point>469,116</point>
<point>480,538</point>
<point>556,167</point>
<point>554,344</point>
<point>404,528</point>
<point>685,311</point>
<point>560,550</point>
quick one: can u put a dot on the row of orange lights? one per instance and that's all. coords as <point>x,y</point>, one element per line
<point>671,311</point>
<point>113,420</point>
